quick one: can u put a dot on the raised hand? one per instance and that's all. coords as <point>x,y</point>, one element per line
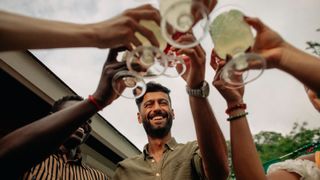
<point>268,43</point>
<point>232,96</point>
<point>120,30</point>
<point>104,93</point>
<point>195,60</point>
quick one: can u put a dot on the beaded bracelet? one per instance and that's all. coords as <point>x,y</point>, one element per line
<point>237,116</point>
<point>234,107</point>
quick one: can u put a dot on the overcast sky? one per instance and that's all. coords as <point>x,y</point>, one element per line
<point>275,101</point>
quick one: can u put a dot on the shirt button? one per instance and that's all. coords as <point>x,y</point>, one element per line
<point>158,174</point>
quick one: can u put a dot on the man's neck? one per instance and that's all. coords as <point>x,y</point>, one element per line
<point>156,146</point>
<point>71,154</point>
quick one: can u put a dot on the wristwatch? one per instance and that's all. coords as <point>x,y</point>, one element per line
<point>203,91</point>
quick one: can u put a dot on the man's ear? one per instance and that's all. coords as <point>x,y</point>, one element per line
<point>173,115</point>
<point>139,117</point>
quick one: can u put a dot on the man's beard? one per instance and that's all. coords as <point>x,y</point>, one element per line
<point>158,132</point>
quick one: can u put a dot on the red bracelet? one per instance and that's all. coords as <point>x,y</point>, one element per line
<point>236,106</point>
<point>94,102</point>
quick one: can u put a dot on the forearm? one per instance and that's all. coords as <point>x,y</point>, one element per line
<point>245,159</point>
<point>34,142</point>
<point>301,65</point>
<point>22,32</point>
<point>210,139</point>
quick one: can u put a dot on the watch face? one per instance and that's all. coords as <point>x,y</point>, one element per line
<point>205,89</point>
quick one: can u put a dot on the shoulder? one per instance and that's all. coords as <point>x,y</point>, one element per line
<point>299,167</point>
<point>191,146</point>
<point>131,160</point>
<point>94,171</point>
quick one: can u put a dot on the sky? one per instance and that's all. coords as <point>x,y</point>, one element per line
<point>274,102</point>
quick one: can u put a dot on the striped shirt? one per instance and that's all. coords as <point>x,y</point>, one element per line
<point>57,166</point>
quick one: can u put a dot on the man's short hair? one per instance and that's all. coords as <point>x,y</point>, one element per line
<point>60,102</point>
<point>153,87</point>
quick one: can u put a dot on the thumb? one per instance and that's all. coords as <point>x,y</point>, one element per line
<point>113,53</point>
<point>218,84</point>
<point>256,23</point>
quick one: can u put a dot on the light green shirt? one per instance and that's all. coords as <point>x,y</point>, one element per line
<point>180,162</point>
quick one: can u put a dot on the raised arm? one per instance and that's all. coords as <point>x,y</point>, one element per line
<point>19,32</point>
<point>210,138</point>
<point>30,144</point>
<point>245,159</point>
<point>282,55</point>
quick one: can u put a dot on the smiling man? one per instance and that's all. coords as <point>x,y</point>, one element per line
<point>162,157</point>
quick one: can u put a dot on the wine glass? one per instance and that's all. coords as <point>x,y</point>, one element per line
<point>181,16</point>
<point>145,61</point>
<point>150,61</point>
<point>233,38</point>
<point>176,63</point>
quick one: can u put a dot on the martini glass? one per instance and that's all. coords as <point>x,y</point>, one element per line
<point>233,38</point>
<point>182,16</point>
<point>176,65</point>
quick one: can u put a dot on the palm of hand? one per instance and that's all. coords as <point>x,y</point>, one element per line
<point>230,95</point>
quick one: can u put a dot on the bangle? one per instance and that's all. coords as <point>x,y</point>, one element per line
<point>237,106</point>
<point>237,116</point>
<point>94,102</point>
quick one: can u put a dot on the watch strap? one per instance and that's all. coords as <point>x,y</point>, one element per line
<point>202,92</point>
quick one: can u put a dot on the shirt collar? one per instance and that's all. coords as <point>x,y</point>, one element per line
<point>171,144</point>
<point>77,159</point>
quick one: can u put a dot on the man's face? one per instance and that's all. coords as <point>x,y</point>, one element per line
<point>80,134</point>
<point>156,114</point>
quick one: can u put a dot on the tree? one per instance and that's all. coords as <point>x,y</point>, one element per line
<point>272,145</point>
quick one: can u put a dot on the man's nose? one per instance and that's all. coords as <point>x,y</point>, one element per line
<point>156,106</point>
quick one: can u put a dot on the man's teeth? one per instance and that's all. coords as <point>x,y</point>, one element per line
<point>157,118</point>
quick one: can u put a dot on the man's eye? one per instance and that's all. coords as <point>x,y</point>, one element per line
<point>164,102</point>
<point>147,105</point>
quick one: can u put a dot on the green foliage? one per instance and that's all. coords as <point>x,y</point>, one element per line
<point>314,46</point>
<point>272,145</point>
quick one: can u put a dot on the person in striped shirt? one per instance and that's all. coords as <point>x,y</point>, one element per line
<point>66,163</point>
<point>43,142</point>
